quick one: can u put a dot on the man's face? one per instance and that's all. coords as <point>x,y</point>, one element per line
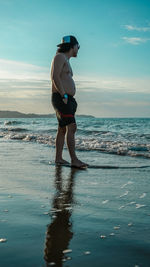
<point>75,50</point>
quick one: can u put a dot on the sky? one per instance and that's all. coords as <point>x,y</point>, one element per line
<point>111,71</point>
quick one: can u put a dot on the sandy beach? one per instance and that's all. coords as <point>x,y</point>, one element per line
<point>58,216</point>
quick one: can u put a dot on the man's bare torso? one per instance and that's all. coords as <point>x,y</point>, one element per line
<point>65,76</point>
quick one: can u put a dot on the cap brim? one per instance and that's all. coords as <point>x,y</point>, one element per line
<point>59,45</point>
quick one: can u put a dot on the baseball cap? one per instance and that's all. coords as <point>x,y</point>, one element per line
<point>68,39</point>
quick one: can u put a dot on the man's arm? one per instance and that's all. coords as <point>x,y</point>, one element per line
<point>57,66</point>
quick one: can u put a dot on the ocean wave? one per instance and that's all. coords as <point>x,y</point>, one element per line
<point>147,136</point>
<point>139,148</point>
<point>114,147</point>
<point>14,129</point>
<point>87,144</point>
<point>93,132</point>
<point>48,131</point>
<point>12,122</point>
<point>111,135</point>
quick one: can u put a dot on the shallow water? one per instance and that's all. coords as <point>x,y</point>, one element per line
<point>93,217</point>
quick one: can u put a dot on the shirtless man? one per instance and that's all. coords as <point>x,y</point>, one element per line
<point>63,101</point>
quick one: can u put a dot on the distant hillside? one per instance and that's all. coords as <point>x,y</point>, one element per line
<point>16,114</point>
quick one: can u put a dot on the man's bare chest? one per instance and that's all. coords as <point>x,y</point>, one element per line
<point>67,69</point>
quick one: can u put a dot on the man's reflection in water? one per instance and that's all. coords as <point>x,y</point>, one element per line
<point>59,231</point>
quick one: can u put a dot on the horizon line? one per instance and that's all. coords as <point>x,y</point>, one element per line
<point>47,114</point>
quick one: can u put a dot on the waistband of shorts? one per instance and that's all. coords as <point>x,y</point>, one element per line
<point>55,93</point>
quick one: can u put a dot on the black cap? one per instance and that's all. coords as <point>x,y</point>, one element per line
<point>69,39</point>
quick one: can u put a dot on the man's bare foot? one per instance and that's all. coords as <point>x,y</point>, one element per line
<point>61,162</point>
<point>78,164</point>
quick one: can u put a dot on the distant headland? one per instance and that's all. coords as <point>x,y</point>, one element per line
<point>16,114</point>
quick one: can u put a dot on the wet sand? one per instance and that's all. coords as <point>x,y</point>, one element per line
<point>58,216</point>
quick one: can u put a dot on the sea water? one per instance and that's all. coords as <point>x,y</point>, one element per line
<point>105,212</point>
<point>122,137</point>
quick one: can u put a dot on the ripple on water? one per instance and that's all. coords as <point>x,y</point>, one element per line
<point>87,252</point>
<point>126,184</point>
<point>130,224</point>
<point>117,227</point>
<point>121,207</point>
<point>125,194</point>
<point>138,206</point>
<point>143,195</point>
<point>112,234</point>
<point>3,240</point>
<point>67,251</point>
<point>103,236</point>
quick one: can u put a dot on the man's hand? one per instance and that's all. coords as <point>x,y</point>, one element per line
<point>65,100</point>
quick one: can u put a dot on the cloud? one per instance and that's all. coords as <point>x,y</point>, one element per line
<point>27,88</point>
<point>125,103</point>
<point>112,84</point>
<point>110,107</point>
<point>22,71</point>
<point>135,40</point>
<point>139,29</point>
<point>24,87</point>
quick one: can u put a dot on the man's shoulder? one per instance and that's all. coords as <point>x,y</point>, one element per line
<point>59,57</point>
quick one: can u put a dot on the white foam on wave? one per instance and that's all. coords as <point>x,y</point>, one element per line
<point>115,147</point>
<point>87,144</point>
<point>14,136</point>
<point>105,201</point>
<point>29,137</point>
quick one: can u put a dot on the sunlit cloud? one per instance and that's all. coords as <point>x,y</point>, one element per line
<point>135,28</point>
<point>22,71</point>
<point>135,40</point>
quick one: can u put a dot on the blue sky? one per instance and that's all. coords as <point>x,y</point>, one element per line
<point>112,68</point>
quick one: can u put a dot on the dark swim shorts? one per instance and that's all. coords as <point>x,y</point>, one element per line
<point>64,112</point>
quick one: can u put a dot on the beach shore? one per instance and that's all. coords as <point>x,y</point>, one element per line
<point>67,217</point>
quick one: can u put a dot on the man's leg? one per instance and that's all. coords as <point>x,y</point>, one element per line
<point>71,129</point>
<point>59,144</point>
